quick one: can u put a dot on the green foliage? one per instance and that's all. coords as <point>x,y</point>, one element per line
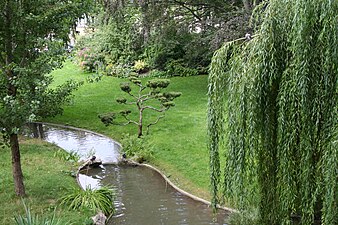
<point>158,83</point>
<point>274,101</point>
<point>158,74</point>
<point>244,218</point>
<point>177,68</point>
<point>140,66</point>
<point>138,149</point>
<point>89,60</point>
<point>158,32</point>
<point>101,199</point>
<point>118,70</point>
<point>125,87</point>
<point>32,219</point>
<point>32,39</point>
<point>113,47</point>
<point>107,118</point>
<point>72,156</point>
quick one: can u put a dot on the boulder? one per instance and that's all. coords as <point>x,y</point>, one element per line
<point>99,219</point>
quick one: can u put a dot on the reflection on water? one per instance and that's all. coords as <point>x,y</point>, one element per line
<point>142,196</point>
<point>83,143</point>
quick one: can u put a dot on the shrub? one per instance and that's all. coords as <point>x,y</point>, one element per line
<point>32,219</point>
<point>138,149</point>
<point>158,74</point>
<point>179,68</point>
<point>72,156</point>
<point>93,199</point>
<point>118,70</point>
<point>140,66</point>
<point>89,61</point>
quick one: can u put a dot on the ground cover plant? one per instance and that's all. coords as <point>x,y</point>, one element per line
<point>46,180</point>
<point>179,140</point>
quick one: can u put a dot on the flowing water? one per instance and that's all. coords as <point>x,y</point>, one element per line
<point>142,196</point>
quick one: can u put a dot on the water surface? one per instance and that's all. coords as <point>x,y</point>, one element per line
<point>142,196</point>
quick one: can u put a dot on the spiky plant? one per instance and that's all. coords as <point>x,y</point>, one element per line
<point>101,199</point>
<point>273,108</point>
<point>30,218</point>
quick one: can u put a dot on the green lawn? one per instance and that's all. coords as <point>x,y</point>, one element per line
<point>45,183</point>
<point>179,139</point>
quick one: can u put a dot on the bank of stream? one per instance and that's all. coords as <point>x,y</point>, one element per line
<point>143,197</point>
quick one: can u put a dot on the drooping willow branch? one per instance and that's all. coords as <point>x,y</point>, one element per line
<point>273,111</point>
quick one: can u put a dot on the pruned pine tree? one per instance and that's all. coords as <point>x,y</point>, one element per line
<point>149,96</point>
<point>273,109</point>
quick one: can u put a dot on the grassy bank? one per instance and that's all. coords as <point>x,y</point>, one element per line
<point>45,183</point>
<point>180,138</point>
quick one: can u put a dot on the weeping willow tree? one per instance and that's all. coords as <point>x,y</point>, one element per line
<point>273,112</point>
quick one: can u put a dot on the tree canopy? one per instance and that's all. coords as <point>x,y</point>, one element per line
<point>165,34</point>
<point>273,108</point>
<point>33,35</point>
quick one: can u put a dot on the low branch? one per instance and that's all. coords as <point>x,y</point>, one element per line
<point>189,9</point>
<point>132,95</point>
<point>153,108</point>
<point>151,124</point>
<point>129,121</point>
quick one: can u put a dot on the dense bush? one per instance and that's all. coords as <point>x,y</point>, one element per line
<point>138,149</point>
<point>140,66</point>
<point>179,68</point>
<point>89,60</point>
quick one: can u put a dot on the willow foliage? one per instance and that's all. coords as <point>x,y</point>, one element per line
<point>273,108</point>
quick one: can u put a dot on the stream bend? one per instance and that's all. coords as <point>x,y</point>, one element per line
<point>144,195</point>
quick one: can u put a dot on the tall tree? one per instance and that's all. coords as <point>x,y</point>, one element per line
<point>32,41</point>
<point>273,101</point>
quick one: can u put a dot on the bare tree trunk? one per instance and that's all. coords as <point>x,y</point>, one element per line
<point>16,166</point>
<point>140,124</point>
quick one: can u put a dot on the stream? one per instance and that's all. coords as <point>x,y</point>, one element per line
<point>143,197</point>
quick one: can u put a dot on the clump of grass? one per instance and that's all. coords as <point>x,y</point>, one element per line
<point>33,219</point>
<point>72,156</point>
<point>93,199</point>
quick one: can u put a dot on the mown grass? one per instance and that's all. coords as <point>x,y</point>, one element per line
<point>45,182</point>
<point>179,139</point>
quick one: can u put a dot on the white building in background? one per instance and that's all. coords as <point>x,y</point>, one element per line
<point>80,30</point>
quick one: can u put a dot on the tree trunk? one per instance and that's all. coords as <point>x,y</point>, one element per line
<point>140,125</point>
<point>16,166</point>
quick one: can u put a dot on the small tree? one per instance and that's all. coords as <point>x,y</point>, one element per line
<point>32,43</point>
<point>148,96</point>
